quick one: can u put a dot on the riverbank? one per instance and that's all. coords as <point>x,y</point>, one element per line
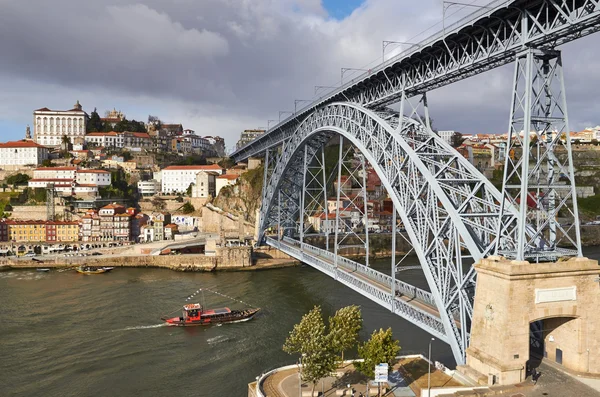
<point>225,259</point>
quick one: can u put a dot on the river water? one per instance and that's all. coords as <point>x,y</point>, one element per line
<point>66,334</point>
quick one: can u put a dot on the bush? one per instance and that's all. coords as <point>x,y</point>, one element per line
<point>18,179</point>
<point>188,208</point>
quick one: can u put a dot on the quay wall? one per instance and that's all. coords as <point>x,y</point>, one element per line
<point>226,258</point>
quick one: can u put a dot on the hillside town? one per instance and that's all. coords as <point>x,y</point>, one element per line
<point>84,181</point>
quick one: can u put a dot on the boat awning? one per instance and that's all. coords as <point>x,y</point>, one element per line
<point>215,312</point>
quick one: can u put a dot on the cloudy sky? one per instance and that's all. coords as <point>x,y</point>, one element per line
<point>221,66</point>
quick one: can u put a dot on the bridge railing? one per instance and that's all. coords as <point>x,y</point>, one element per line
<point>381,278</point>
<point>314,257</point>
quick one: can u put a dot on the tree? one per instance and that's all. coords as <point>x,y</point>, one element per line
<point>158,204</point>
<point>188,208</point>
<point>344,327</point>
<point>155,121</point>
<point>18,179</point>
<point>381,348</point>
<point>65,143</point>
<point>94,123</point>
<point>308,338</point>
<point>127,155</point>
<point>47,163</point>
<point>188,191</point>
<point>457,139</point>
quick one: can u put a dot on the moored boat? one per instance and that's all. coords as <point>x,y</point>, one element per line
<point>44,270</point>
<point>91,270</point>
<point>194,314</point>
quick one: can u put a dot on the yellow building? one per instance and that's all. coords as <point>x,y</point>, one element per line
<point>42,231</point>
<point>26,231</point>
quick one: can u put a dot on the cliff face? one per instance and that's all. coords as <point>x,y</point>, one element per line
<point>244,198</point>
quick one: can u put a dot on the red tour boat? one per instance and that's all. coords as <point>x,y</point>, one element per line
<point>194,314</point>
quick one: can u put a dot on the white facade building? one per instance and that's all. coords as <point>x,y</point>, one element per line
<point>51,125</point>
<point>16,154</point>
<point>225,180</point>
<point>93,177</point>
<point>70,180</point>
<point>204,185</point>
<point>148,188</point>
<point>447,135</point>
<point>177,178</point>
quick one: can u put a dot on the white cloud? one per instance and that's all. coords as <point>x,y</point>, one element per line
<point>225,65</point>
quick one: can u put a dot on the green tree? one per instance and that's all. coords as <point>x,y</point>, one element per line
<point>188,208</point>
<point>127,155</point>
<point>381,348</point>
<point>344,327</point>
<point>94,123</point>
<point>65,143</point>
<point>457,139</point>
<point>158,204</point>
<point>188,191</point>
<point>309,339</point>
<point>18,179</point>
<point>47,163</point>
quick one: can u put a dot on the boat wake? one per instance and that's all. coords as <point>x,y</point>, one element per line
<point>141,327</point>
<point>218,339</point>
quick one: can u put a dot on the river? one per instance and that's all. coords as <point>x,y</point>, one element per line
<point>66,334</point>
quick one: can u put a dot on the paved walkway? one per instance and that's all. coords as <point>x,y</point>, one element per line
<point>556,383</point>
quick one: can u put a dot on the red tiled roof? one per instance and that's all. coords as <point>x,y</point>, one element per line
<point>112,133</point>
<point>141,135</point>
<point>56,169</point>
<point>92,172</point>
<point>230,177</point>
<point>193,167</point>
<point>21,143</point>
<point>51,180</point>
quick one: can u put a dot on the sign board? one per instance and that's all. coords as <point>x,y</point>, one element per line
<point>555,294</point>
<point>381,373</point>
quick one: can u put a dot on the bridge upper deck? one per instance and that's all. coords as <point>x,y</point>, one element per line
<point>486,39</point>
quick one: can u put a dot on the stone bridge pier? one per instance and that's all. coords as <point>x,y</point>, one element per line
<point>558,301</point>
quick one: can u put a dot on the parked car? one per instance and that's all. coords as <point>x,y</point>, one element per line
<point>30,253</point>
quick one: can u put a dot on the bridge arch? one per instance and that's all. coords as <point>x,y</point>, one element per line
<point>446,205</point>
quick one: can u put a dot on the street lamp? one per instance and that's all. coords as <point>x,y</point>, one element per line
<point>297,101</point>
<point>386,43</point>
<point>344,70</point>
<point>448,4</point>
<point>321,87</point>
<point>429,370</point>
<point>284,112</point>
<point>300,375</point>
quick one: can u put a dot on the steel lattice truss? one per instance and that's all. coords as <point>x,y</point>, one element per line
<point>444,203</point>
<point>537,180</point>
<point>491,38</point>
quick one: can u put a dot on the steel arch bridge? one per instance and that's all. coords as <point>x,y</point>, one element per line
<point>452,214</point>
<point>419,170</point>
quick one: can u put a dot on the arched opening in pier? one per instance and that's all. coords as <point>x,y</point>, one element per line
<point>556,339</point>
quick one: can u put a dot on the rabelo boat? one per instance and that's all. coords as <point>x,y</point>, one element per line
<point>194,314</point>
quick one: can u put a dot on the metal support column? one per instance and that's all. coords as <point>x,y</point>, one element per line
<point>366,214</point>
<point>325,209</point>
<point>535,180</point>
<point>393,271</point>
<point>303,194</point>
<point>279,215</point>
<point>337,204</point>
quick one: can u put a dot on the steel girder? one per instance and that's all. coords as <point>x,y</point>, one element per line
<point>324,261</point>
<point>444,203</point>
<point>489,39</point>
<point>538,181</point>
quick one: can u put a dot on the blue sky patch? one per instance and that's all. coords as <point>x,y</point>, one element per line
<point>340,9</point>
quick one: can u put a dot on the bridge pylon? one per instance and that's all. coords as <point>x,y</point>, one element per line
<point>538,169</point>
